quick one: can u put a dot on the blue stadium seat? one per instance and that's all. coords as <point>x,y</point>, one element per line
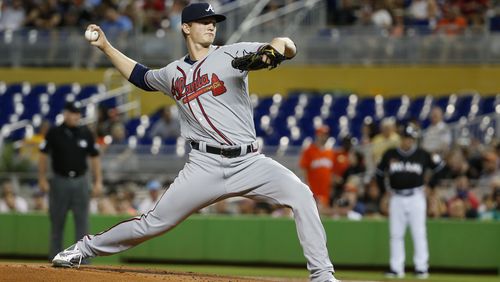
<point>365,107</point>
<point>314,103</point>
<point>263,107</point>
<point>391,106</point>
<point>442,102</point>
<point>288,105</point>
<point>487,105</point>
<point>31,101</point>
<point>462,108</point>
<point>131,125</point>
<point>306,125</point>
<point>355,126</point>
<point>58,99</point>
<point>272,140</point>
<point>416,106</point>
<point>87,91</point>
<point>339,106</point>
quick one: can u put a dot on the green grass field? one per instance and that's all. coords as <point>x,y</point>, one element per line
<point>284,274</point>
<point>300,273</point>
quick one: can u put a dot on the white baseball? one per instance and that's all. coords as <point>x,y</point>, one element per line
<point>91,35</point>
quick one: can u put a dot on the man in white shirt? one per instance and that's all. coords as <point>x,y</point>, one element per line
<point>10,202</point>
<point>149,203</point>
<point>437,137</point>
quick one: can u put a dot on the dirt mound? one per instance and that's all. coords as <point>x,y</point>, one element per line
<point>45,272</point>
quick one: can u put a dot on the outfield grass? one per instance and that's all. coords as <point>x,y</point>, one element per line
<point>302,273</point>
<point>284,273</point>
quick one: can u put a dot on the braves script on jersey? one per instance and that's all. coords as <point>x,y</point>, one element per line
<point>212,96</point>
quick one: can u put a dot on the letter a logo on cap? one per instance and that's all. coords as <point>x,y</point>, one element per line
<point>210,8</point>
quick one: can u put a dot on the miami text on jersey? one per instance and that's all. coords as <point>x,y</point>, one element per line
<point>398,166</point>
<point>323,162</point>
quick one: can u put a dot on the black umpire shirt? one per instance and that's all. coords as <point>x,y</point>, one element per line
<point>406,169</point>
<point>68,148</point>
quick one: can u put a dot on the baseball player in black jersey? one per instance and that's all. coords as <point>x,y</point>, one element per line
<point>405,168</point>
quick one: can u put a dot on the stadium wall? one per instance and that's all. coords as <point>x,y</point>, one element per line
<point>386,80</point>
<point>453,244</point>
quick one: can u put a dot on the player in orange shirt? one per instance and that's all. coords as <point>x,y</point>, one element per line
<point>317,162</point>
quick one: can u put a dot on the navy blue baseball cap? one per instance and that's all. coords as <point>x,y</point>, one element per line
<point>197,11</point>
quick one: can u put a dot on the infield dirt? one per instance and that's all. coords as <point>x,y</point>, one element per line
<point>45,272</point>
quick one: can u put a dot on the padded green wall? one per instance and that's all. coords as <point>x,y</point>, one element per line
<point>453,244</point>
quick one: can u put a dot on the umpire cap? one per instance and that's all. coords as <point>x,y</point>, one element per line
<point>197,11</point>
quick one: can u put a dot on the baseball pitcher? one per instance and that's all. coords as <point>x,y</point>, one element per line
<point>210,88</point>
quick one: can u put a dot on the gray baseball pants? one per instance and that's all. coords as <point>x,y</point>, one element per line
<point>207,178</point>
<point>67,194</point>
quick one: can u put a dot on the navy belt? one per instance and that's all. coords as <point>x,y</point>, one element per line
<point>404,192</point>
<point>225,152</point>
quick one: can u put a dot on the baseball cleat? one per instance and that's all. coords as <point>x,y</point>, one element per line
<point>68,258</point>
<point>393,274</point>
<point>421,274</point>
<point>334,280</point>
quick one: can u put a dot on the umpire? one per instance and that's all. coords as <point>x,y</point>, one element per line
<point>69,145</point>
<point>405,167</point>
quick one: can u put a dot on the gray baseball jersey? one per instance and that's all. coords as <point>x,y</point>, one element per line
<point>212,96</point>
<point>215,111</point>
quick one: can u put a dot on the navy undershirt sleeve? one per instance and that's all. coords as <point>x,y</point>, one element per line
<point>138,77</point>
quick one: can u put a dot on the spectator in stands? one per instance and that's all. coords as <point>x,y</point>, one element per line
<point>456,164</point>
<point>423,13</point>
<point>12,15</point>
<point>457,209</point>
<point>368,131</point>
<point>69,145</point>
<point>344,14</point>
<point>341,158</point>
<point>10,202</point>
<point>104,205</point>
<point>387,138</point>
<point>490,209</point>
<point>317,162</point>
<point>490,172</point>
<point>348,206</point>
<point>437,137</point>
<point>118,134</point>
<point>148,203</point>
<point>372,200</point>
<point>154,13</point>
<point>168,126</point>
<point>246,206</point>
<point>463,194</point>
<point>356,166</point>
<point>30,146</point>
<point>452,23</point>
<point>398,28</point>
<point>40,202</point>
<point>115,24</point>
<point>45,16</point>
<point>381,17</point>
<point>436,205</point>
<point>176,11</point>
<point>75,13</point>
<point>474,11</point>
<point>106,119</point>
<point>125,202</point>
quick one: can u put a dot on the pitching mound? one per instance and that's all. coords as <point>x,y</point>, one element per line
<point>45,272</point>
